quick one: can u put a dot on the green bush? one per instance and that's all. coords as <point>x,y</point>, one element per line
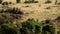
<point>5,18</point>
<point>5,3</point>
<point>27,2</point>
<point>33,1</point>
<point>17,1</point>
<point>30,27</point>
<point>5,29</point>
<point>48,1</point>
<point>10,2</point>
<point>36,2</point>
<point>15,13</point>
<point>27,27</point>
<point>48,29</point>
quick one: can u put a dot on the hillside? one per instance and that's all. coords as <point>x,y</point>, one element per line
<point>30,17</point>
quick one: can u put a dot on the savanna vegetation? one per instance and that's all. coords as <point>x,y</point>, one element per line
<point>30,26</point>
<point>10,21</point>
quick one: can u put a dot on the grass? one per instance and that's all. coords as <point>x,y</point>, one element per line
<point>39,12</point>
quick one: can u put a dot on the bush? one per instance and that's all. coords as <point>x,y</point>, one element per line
<point>31,1</point>
<point>10,2</point>
<point>58,3</point>
<point>47,21</point>
<point>36,2</point>
<point>27,2</point>
<point>5,18</point>
<point>15,13</point>
<point>48,29</point>
<point>48,1</point>
<point>17,1</point>
<point>27,27</point>
<point>5,3</point>
<point>30,27</point>
<point>5,29</point>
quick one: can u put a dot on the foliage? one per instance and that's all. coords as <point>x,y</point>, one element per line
<point>27,27</point>
<point>10,2</point>
<point>5,3</point>
<point>14,12</point>
<point>8,17</point>
<point>48,1</point>
<point>5,18</point>
<point>48,29</point>
<point>31,1</point>
<point>58,3</point>
<point>5,29</point>
<point>17,1</point>
<point>30,27</point>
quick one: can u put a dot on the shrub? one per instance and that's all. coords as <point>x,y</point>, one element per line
<point>33,1</point>
<point>5,29</point>
<point>58,3</point>
<point>48,29</point>
<point>30,27</point>
<point>17,1</point>
<point>5,18</point>
<point>47,21</point>
<point>5,3</point>
<point>48,1</point>
<point>27,2</point>
<point>15,13</point>
<point>36,2</point>
<point>10,2</point>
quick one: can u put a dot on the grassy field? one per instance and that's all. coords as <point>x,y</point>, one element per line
<point>40,11</point>
<point>17,17</point>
